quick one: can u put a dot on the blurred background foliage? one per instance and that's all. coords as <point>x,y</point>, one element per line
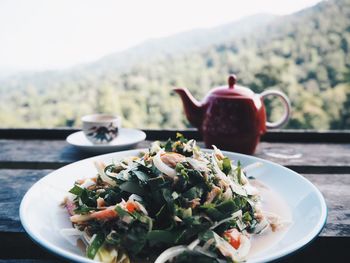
<point>306,55</point>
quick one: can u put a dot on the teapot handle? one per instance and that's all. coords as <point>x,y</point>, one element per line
<point>286,104</point>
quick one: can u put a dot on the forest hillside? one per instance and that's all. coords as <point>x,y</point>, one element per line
<point>306,55</point>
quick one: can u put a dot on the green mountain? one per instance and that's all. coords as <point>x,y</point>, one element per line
<point>190,41</point>
<point>306,55</point>
<point>151,50</point>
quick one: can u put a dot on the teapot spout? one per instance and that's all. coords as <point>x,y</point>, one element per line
<point>194,110</point>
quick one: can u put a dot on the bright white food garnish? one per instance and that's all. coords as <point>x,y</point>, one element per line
<point>100,166</point>
<point>161,166</point>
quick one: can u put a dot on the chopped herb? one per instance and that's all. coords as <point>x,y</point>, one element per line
<point>76,190</point>
<point>95,245</point>
<point>147,211</point>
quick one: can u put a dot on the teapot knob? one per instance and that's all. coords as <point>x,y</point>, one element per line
<point>232,79</point>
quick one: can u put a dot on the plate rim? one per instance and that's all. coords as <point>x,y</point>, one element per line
<point>271,257</point>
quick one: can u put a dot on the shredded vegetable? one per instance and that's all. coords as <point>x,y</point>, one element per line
<point>173,203</point>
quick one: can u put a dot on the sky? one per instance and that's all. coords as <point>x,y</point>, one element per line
<point>57,34</point>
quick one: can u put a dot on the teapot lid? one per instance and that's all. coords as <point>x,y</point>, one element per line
<point>232,90</point>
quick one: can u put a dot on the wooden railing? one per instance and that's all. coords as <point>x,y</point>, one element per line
<point>331,136</point>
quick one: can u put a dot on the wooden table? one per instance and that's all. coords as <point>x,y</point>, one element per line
<point>322,157</point>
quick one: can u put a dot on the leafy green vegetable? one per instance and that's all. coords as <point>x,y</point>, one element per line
<point>114,239</point>
<point>207,235</point>
<point>226,165</point>
<point>132,188</point>
<point>181,138</point>
<point>96,243</point>
<point>168,146</point>
<point>188,257</point>
<point>247,217</point>
<point>121,212</point>
<point>76,190</point>
<point>84,209</point>
<point>151,170</point>
<point>155,210</point>
<point>143,177</point>
<point>136,238</point>
<point>161,236</point>
<point>227,207</point>
<point>157,182</point>
<point>167,195</point>
<point>239,172</point>
<point>213,212</point>
<point>193,192</point>
<point>112,196</point>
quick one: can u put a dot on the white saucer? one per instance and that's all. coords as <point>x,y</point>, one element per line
<point>127,138</point>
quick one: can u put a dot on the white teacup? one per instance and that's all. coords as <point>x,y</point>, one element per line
<point>101,128</point>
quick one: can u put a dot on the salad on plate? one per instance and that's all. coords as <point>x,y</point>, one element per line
<point>173,203</point>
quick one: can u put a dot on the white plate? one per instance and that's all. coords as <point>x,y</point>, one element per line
<point>127,138</point>
<point>42,217</point>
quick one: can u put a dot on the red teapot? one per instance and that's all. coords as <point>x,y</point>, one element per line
<point>232,117</point>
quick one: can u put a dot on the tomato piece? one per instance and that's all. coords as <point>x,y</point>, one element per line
<point>131,206</point>
<point>105,214</point>
<point>233,237</point>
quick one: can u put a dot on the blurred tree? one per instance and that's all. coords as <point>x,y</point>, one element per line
<point>305,55</point>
